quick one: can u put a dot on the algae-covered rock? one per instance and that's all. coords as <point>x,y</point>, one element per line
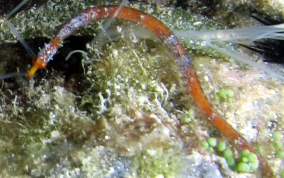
<point>121,110</point>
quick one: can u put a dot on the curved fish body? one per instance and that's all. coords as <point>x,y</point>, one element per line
<point>174,47</point>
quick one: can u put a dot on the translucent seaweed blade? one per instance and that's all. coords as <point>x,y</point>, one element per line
<point>216,39</point>
<point>13,11</point>
<point>246,35</point>
<point>12,75</point>
<point>21,40</point>
<point>108,22</point>
<point>236,55</point>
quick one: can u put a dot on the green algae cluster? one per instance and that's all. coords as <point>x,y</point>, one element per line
<point>246,162</point>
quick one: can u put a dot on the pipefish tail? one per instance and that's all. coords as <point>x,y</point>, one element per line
<point>173,45</point>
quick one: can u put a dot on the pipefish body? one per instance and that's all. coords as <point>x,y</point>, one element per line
<point>173,45</point>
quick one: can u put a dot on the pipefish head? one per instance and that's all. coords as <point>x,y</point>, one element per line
<point>38,63</point>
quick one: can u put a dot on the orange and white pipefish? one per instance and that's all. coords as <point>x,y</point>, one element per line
<point>174,47</point>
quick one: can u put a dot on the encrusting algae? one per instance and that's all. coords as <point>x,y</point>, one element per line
<point>123,117</point>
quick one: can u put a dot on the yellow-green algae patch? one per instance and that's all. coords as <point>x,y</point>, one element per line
<point>128,106</point>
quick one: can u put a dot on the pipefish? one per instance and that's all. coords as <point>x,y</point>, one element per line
<point>174,47</point>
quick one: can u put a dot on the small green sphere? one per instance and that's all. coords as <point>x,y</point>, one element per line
<point>205,144</point>
<point>231,162</point>
<point>277,136</point>
<point>216,97</point>
<point>252,157</point>
<point>244,159</point>
<point>277,144</point>
<point>212,141</point>
<point>230,93</point>
<point>245,153</point>
<point>254,166</point>
<point>260,149</point>
<point>243,167</point>
<point>230,100</point>
<point>280,154</point>
<point>228,153</point>
<point>194,121</point>
<point>210,149</point>
<point>221,146</point>
<point>186,120</point>
<point>222,93</point>
<point>190,113</point>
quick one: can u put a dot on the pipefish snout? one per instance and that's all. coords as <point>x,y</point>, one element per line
<point>174,47</point>
<point>38,63</point>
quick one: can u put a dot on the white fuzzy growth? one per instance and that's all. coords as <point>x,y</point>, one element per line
<point>103,102</point>
<point>47,53</point>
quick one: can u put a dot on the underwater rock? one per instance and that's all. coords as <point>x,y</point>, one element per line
<point>7,5</point>
<point>125,116</point>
